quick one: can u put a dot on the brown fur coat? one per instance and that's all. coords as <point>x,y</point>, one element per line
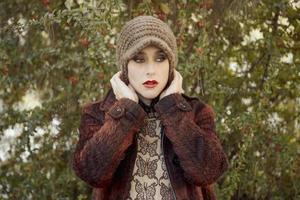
<point>105,154</point>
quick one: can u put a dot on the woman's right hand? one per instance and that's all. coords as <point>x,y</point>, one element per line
<point>121,90</point>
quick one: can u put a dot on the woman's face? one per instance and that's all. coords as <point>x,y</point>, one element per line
<point>148,72</point>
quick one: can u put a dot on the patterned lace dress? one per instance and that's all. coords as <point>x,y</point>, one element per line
<point>150,180</point>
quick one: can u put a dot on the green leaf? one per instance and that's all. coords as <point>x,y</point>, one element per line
<point>69,4</point>
<point>164,8</point>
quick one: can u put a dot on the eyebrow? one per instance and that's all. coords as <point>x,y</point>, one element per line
<point>158,51</point>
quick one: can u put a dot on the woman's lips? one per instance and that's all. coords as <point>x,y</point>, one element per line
<point>150,84</point>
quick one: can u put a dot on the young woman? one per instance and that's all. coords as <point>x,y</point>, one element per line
<point>146,139</point>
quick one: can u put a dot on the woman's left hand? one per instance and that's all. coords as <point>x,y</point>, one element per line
<point>175,86</point>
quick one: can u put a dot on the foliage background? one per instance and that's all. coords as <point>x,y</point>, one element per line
<point>241,57</point>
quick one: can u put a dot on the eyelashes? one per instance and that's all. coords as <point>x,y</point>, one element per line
<point>162,57</point>
<point>140,59</point>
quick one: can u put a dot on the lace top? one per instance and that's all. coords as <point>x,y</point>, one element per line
<point>150,180</point>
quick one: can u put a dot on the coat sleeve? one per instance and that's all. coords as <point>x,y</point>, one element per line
<point>191,130</point>
<point>104,140</point>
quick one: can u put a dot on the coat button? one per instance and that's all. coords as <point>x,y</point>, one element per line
<point>116,112</point>
<point>184,106</point>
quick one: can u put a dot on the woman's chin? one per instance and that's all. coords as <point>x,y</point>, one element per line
<point>149,95</point>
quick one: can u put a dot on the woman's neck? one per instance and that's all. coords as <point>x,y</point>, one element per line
<point>144,100</point>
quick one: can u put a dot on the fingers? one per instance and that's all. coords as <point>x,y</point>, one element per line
<point>179,76</point>
<point>118,79</point>
<point>115,84</point>
<point>133,92</point>
<point>115,80</point>
<point>115,77</point>
<point>121,90</point>
<point>112,82</point>
<point>115,88</point>
<point>130,86</point>
<point>178,79</point>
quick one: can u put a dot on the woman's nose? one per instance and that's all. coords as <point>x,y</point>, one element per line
<point>150,69</point>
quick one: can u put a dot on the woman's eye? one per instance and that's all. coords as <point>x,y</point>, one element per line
<point>161,58</point>
<point>138,59</point>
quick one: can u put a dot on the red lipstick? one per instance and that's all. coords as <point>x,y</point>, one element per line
<point>150,83</point>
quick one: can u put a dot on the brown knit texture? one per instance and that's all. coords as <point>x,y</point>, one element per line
<point>143,31</point>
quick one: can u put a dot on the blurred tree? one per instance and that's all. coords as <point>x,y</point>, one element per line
<point>242,57</point>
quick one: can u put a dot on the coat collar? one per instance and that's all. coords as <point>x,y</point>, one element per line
<point>110,99</point>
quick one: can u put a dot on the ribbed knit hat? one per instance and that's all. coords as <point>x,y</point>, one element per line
<point>143,31</point>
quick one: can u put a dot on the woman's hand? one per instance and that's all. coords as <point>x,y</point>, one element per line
<point>175,86</point>
<point>121,90</point>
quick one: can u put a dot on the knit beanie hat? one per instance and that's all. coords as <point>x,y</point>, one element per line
<point>143,31</point>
